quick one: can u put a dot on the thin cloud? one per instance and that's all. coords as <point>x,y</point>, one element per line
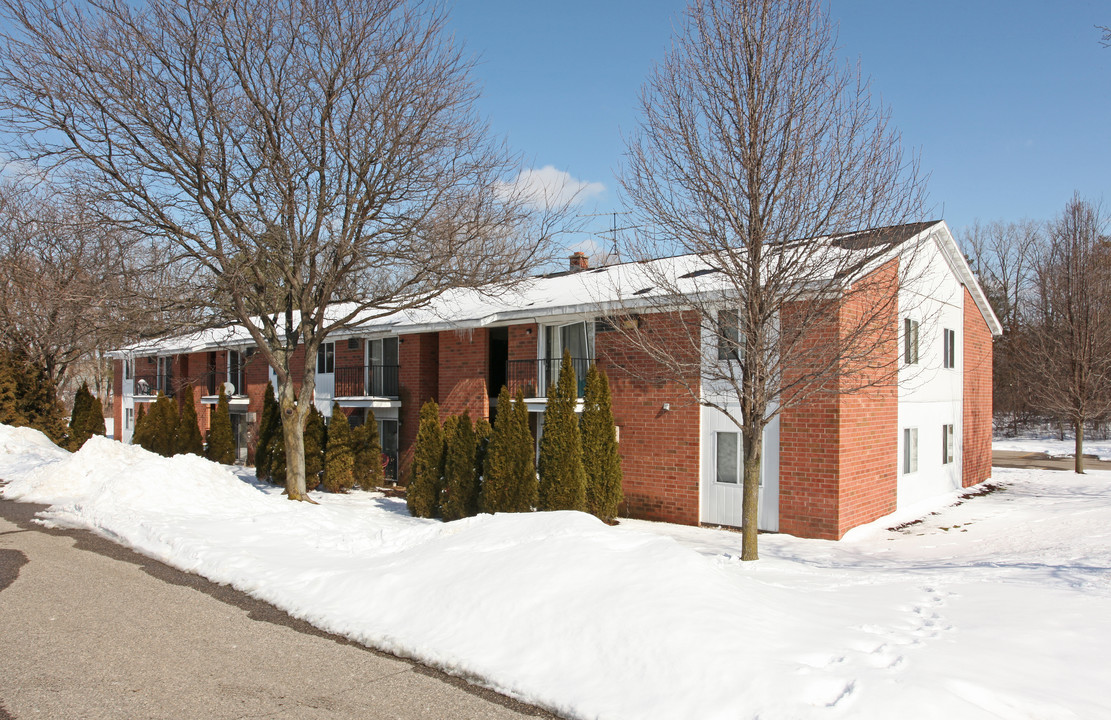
<point>551,188</point>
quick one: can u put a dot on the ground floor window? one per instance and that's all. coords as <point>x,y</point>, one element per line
<point>946,444</point>
<point>128,418</point>
<point>910,450</point>
<point>728,457</point>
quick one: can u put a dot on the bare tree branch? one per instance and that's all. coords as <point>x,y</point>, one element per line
<point>316,162</point>
<point>758,153</point>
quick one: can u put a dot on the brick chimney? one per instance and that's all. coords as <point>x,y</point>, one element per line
<point>579,261</point>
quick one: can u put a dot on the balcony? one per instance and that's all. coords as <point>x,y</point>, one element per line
<point>215,379</point>
<point>152,384</point>
<point>367,381</point>
<point>532,377</point>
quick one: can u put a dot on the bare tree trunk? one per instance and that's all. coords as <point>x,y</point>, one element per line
<point>750,499</point>
<point>1078,465</point>
<point>294,415</point>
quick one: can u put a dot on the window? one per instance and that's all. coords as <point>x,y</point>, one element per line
<point>910,341</point>
<point>728,457</point>
<point>128,416</point>
<point>910,450</point>
<point>946,444</point>
<point>949,351</point>
<point>326,358</point>
<point>730,340</point>
<point>127,369</point>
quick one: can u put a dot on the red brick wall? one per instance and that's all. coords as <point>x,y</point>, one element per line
<point>523,341</point>
<point>808,451</point>
<point>869,416</point>
<point>659,450</point>
<point>976,418</point>
<point>464,368</point>
<point>838,448</point>
<point>419,360</point>
<point>348,357</point>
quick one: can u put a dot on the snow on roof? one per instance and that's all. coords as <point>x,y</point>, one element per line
<point>573,292</point>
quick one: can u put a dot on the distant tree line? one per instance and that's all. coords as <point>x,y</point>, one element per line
<point>1050,286</point>
<point>462,468</point>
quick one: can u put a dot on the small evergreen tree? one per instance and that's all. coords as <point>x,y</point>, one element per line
<point>275,452</point>
<point>28,397</point>
<point>423,494</point>
<point>269,425</point>
<point>460,479</point>
<point>339,457</point>
<point>509,471</point>
<point>562,479</point>
<point>368,454</point>
<point>159,426</point>
<point>482,432</point>
<point>140,425</point>
<point>82,423</point>
<point>221,440</point>
<point>187,435</point>
<point>601,460</point>
<point>316,438</point>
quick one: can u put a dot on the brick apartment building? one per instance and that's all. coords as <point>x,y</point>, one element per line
<point>828,466</point>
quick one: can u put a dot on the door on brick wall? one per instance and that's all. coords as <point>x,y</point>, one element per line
<point>325,378</point>
<point>722,467</point>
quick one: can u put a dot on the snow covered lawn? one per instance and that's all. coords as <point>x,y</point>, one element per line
<point>999,607</point>
<point>1052,446</point>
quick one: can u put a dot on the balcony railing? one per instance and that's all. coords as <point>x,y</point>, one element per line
<point>153,383</point>
<point>533,377</point>
<point>214,379</point>
<point>367,381</point>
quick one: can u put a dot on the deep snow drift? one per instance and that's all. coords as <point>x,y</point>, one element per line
<point>997,607</point>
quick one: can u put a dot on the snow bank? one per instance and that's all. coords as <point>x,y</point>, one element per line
<point>994,608</point>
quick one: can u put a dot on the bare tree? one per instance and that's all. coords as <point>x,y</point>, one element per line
<point>1002,256</point>
<point>320,162</point>
<point>1068,352</point>
<point>71,286</point>
<point>756,146</point>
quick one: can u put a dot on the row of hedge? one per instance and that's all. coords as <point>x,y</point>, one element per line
<point>337,456</point>
<point>461,469</point>
<point>166,431</point>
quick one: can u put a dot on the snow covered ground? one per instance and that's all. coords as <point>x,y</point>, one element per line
<point>996,607</point>
<point>1052,446</point>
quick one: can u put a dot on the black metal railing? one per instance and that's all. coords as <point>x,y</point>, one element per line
<point>367,381</point>
<point>533,377</point>
<point>215,379</point>
<point>153,383</point>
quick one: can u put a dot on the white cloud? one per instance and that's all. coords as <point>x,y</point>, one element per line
<point>549,187</point>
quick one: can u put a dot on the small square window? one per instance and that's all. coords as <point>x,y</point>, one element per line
<point>946,444</point>
<point>910,450</point>
<point>949,349</point>
<point>910,341</point>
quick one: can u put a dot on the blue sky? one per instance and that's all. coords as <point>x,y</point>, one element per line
<point>1008,103</point>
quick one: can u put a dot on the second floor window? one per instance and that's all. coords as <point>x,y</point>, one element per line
<point>326,358</point>
<point>730,340</point>
<point>949,348</point>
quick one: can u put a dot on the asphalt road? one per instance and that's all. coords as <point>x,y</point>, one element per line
<point>1022,459</point>
<point>89,629</point>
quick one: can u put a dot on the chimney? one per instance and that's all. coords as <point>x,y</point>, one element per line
<point>579,261</point>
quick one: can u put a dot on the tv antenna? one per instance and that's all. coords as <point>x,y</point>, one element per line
<point>612,231</point>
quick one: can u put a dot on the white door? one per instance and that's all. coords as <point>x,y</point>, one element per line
<point>325,378</point>
<point>722,468</point>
